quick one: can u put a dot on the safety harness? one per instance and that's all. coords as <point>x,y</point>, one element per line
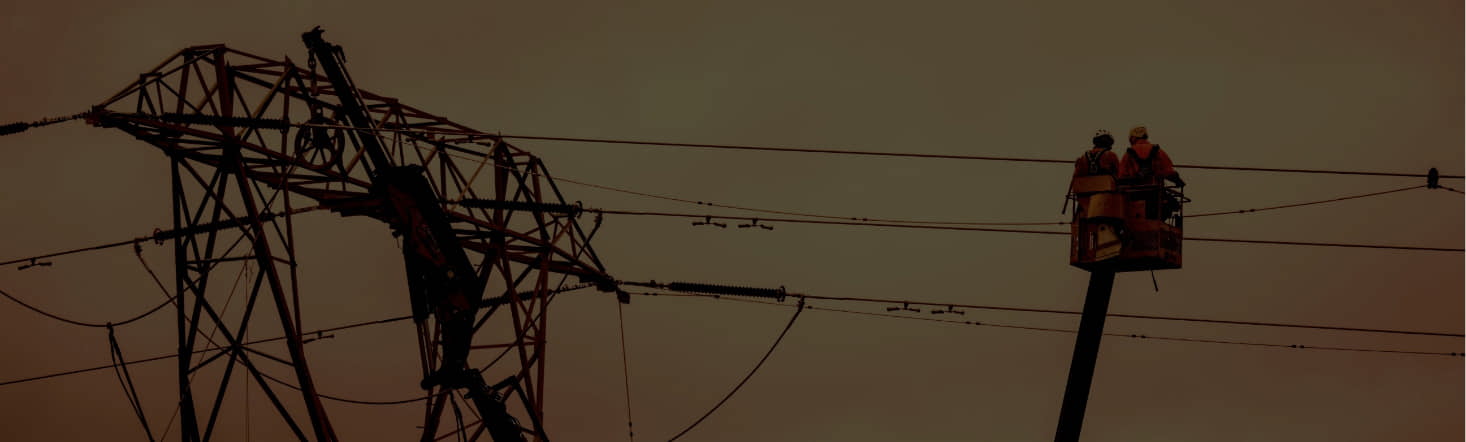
<point>1093,158</point>
<point>1146,166</point>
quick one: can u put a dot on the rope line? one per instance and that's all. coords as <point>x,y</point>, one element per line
<point>746,377</point>
<point>233,288</point>
<point>625,371</point>
<point>124,377</point>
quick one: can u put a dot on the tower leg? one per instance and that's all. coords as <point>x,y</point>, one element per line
<point>1086,351</point>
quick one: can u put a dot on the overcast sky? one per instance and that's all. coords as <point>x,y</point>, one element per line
<point>1354,85</point>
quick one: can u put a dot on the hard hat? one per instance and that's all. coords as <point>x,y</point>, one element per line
<point>1102,138</point>
<point>1138,132</point>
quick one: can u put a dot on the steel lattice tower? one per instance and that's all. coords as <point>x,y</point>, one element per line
<point>246,135</point>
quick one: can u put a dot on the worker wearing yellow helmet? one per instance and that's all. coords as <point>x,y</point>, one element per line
<point>1145,163</point>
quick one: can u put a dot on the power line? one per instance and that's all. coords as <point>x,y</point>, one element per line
<point>1144,336</point>
<point>138,250</point>
<point>906,303</point>
<point>84,370</point>
<point>159,235</point>
<point>820,150</point>
<point>989,229</point>
<point>1059,330</point>
<point>1325,244</point>
<point>808,214</point>
<point>1286,206</point>
<point>1133,316</point>
<point>896,220</point>
<point>346,400</point>
<point>761,210</point>
<point>68,252</point>
<point>84,323</point>
<point>215,348</point>
<point>957,223</point>
<point>935,222</point>
<point>827,222</point>
<point>913,221</point>
<point>746,377</point>
<point>861,220</point>
<point>473,135</point>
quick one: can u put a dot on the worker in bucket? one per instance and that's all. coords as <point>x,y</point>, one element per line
<point>1145,164</point>
<point>1099,159</point>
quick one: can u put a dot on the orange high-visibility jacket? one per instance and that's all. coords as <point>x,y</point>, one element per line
<point>1107,163</point>
<point>1160,166</point>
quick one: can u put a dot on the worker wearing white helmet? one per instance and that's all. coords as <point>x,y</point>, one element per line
<point>1099,159</point>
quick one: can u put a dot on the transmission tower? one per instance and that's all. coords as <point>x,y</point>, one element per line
<point>248,137</point>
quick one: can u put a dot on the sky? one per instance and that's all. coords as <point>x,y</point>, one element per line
<point>1349,85</point>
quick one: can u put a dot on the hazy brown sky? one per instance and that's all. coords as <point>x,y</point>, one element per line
<point>1316,84</point>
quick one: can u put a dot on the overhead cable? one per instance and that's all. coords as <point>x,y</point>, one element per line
<point>1059,330</point>
<point>917,221</point>
<point>1032,232</point>
<point>159,235</point>
<point>943,156</point>
<point>84,323</point>
<point>347,400</point>
<point>215,348</point>
<point>949,222</point>
<point>474,136</point>
<point>1286,206</point>
<point>746,377</point>
<point>1134,316</point>
<point>907,303</point>
<point>1158,338</point>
